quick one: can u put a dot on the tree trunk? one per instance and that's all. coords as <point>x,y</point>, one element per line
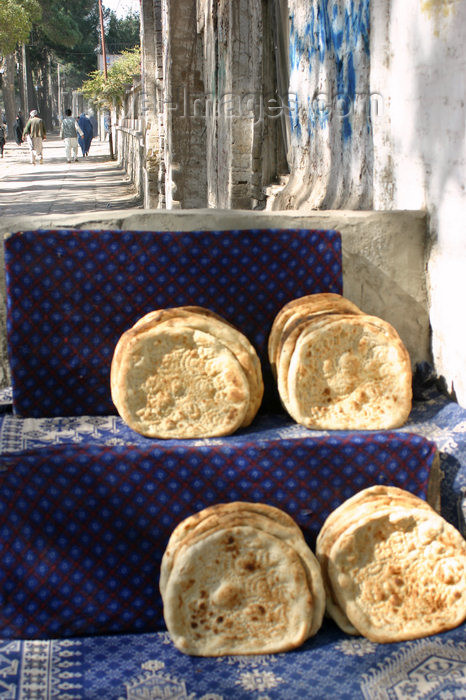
<point>49,114</point>
<point>29,97</point>
<point>9,92</point>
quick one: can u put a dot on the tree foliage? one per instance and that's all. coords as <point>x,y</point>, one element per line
<point>71,32</point>
<point>120,76</point>
<point>122,33</point>
<point>16,20</point>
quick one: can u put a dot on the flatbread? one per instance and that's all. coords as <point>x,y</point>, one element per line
<point>309,304</point>
<point>203,320</point>
<point>217,321</point>
<point>180,383</point>
<point>400,574</point>
<point>350,373</point>
<point>354,509</point>
<point>365,497</point>
<point>158,315</point>
<point>291,535</point>
<point>237,591</point>
<point>187,526</point>
<point>296,325</point>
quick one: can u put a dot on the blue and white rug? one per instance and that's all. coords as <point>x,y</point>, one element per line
<point>147,666</point>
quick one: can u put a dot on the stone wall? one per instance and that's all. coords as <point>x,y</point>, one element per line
<point>152,106</point>
<point>208,73</point>
<point>131,152</point>
<point>329,106</point>
<point>377,98</point>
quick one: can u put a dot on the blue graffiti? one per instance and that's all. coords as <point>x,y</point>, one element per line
<point>334,31</point>
<point>293,106</point>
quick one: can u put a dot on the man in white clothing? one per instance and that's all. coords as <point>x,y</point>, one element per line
<point>69,131</point>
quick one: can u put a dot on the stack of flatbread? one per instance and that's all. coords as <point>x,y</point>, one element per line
<point>185,372</point>
<point>338,368</point>
<point>239,578</point>
<point>393,568</point>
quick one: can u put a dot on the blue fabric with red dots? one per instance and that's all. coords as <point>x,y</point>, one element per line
<point>71,294</point>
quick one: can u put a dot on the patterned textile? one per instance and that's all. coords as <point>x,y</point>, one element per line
<point>434,416</point>
<point>71,294</point>
<point>95,502</point>
<point>147,666</point>
<point>80,551</point>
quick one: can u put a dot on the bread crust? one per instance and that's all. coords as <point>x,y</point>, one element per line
<point>262,518</point>
<point>350,373</point>
<point>362,504</point>
<point>238,590</point>
<point>232,348</point>
<point>400,574</point>
<point>326,302</point>
<point>180,383</point>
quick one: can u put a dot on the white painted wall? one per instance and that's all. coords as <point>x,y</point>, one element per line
<point>418,65</point>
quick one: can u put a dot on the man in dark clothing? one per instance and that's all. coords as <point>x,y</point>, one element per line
<point>18,129</point>
<point>2,138</point>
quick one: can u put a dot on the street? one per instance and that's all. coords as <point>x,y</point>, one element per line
<point>58,187</point>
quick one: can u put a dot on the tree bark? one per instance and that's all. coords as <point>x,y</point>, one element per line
<point>9,97</point>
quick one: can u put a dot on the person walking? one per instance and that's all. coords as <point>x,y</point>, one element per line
<point>18,129</point>
<point>69,131</point>
<point>34,133</point>
<point>85,140</point>
<point>2,138</point>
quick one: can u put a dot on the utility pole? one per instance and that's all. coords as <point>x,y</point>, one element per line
<point>104,61</point>
<point>59,100</point>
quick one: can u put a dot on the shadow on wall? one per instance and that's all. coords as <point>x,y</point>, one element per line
<point>369,288</point>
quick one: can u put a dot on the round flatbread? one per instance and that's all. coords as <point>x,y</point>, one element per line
<point>309,304</point>
<point>237,591</point>
<point>209,322</point>
<point>187,526</point>
<point>242,517</point>
<point>180,383</point>
<point>350,373</point>
<point>218,324</point>
<point>238,345</point>
<point>400,574</point>
<point>354,509</point>
<point>372,495</point>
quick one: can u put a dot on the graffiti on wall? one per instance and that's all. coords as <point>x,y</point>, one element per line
<point>328,41</point>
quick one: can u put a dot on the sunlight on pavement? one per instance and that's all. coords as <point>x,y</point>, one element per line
<point>92,183</point>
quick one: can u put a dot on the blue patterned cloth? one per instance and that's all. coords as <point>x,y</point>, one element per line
<point>81,549</point>
<point>95,502</point>
<point>434,417</point>
<point>147,666</point>
<point>71,294</point>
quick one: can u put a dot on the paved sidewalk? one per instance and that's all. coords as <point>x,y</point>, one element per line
<point>57,187</point>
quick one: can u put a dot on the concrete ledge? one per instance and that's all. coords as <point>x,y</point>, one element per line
<point>384,255</point>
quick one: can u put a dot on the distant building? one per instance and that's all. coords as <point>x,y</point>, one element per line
<point>111,58</point>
